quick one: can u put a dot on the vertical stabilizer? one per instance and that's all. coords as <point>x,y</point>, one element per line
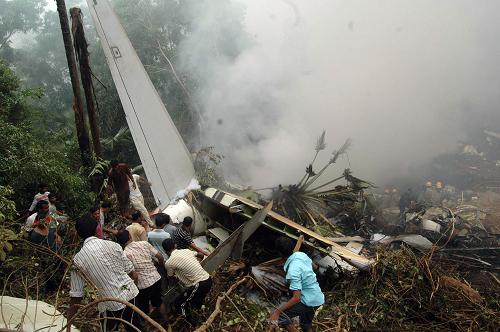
<point>164,156</point>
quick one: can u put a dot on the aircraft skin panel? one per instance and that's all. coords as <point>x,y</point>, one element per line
<point>164,156</point>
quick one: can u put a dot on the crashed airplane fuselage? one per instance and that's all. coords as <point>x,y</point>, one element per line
<point>168,164</point>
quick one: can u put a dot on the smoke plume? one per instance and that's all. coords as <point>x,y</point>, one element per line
<point>400,78</point>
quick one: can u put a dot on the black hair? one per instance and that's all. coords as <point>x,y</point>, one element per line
<point>42,185</point>
<point>51,195</point>
<point>162,219</point>
<point>136,215</point>
<point>41,203</point>
<point>188,221</point>
<point>284,245</point>
<point>123,237</point>
<point>106,205</point>
<point>94,208</point>
<point>86,226</point>
<point>114,163</point>
<point>168,245</point>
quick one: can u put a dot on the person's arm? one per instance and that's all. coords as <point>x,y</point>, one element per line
<point>160,259</point>
<point>134,276</point>
<point>284,307</point>
<point>156,254</point>
<point>198,249</point>
<point>128,266</point>
<point>33,205</point>
<point>294,278</point>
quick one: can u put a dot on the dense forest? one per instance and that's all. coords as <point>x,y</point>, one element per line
<point>37,97</point>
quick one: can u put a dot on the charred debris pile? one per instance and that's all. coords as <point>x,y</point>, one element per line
<point>435,264</point>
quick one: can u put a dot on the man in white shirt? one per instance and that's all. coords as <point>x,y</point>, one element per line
<point>110,271</point>
<point>42,195</point>
<point>137,200</point>
<point>184,265</point>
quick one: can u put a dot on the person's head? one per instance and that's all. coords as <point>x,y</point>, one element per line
<point>52,198</point>
<point>284,245</point>
<point>114,163</point>
<point>95,212</point>
<point>42,207</point>
<point>123,237</point>
<point>162,219</point>
<point>105,207</point>
<point>136,217</point>
<point>86,226</point>
<point>187,223</point>
<point>168,245</point>
<point>42,188</point>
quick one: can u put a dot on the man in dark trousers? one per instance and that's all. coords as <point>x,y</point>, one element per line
<point>184,265</point>
<point>301,279</point>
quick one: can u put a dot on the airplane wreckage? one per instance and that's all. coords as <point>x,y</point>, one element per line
<point>228,220</point>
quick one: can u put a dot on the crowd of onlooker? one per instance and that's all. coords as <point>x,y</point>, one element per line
<point>132,264</point>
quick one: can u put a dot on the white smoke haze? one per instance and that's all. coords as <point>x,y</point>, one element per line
<point>391,75</point>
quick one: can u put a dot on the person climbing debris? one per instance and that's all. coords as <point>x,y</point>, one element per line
<point>301,279</point>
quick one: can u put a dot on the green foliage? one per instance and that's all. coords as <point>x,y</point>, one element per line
<point>7,207</point>
<point>27,160</point>
<point>29,156</point>
<point>7,212</point>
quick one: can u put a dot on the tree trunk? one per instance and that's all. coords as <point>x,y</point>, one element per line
<point>81,130</point>
<point>82,55</point>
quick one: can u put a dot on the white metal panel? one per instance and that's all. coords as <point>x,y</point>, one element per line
<point>164,156</point>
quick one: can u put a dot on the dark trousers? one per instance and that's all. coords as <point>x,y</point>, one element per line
<point>151,294</point>
<point>305,314</point>
<point>192,298</point>
<point>127,314</point>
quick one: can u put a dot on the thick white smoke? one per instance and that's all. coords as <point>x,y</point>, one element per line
<point>391,75</point>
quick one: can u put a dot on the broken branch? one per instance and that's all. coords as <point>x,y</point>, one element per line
<point>217,310</point>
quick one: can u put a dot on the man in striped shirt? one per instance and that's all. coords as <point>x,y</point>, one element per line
<point>110,271</point>
<point>182,237</point>
<point>184,265</point>
<point>141,254</point>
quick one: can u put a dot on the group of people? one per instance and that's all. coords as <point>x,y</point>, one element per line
<point>137,267</point>
<point>45,222</point>
<point>134,265</point>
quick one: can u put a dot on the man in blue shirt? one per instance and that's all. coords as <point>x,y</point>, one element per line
<point>156,236</point>
<point>307,295</point>
<point>167,225</point>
